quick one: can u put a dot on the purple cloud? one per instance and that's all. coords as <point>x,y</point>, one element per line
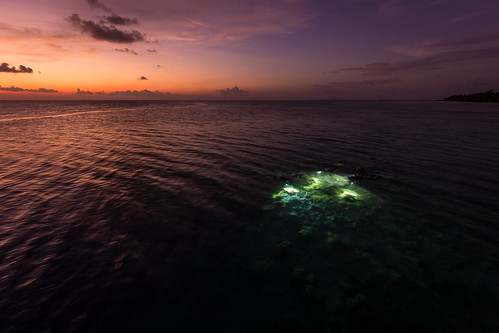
<point>103,32</point>
<point>119,20</point>
<point>232,91</point>
<point>22,69</point>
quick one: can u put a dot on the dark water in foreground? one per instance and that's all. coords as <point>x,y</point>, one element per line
<point>136,216</point>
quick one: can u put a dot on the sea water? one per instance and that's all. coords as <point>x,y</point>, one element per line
<point>249,216</point>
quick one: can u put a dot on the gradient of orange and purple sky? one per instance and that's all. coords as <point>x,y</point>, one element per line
<point>260,49</point>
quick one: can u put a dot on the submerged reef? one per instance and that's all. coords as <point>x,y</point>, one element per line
<point>320,196</point>
<point>334,251</point>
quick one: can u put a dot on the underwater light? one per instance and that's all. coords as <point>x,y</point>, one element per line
<point>349,193</point>
<point>316,196</point>
<point>314,184</point>
<point>291,190</point>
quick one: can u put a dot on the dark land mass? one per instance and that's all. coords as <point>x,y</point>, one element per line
<point>484,97</point>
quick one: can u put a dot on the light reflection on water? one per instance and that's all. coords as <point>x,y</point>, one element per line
<point>137,215</point>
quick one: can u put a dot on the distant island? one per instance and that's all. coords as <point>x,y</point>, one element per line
<point>484,97</point>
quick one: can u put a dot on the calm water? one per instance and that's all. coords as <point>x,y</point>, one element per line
<point>182,216</point>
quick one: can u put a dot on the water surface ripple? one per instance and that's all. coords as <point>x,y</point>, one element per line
<point>155,216</point>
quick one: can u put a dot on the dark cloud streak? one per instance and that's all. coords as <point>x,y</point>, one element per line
<point>425,63</point>
<point>486,38</point>
<point>126,50</point>
<point>18,89</point>
<point>103,32</point>
<point>96,4</point>
<point>119,20</point>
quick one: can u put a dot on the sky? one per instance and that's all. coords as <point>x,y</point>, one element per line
<point>248,50</point>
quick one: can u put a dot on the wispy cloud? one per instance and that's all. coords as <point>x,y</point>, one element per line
<point>385,88</point>
<point>389,8</point>
<point>96,4</point>
<point>104,32</point>
<point>22,69</point>
<point>126,50</point>
<point>471,40</point>
<point>429,47</point>
<point>468,16</point>
<point>8,31</point>
<point>342,86</point>
<point>426,62</point>
<point>384,7</point>
<point>18,89</point>
<point>392,8</point>
<point>214,22</point>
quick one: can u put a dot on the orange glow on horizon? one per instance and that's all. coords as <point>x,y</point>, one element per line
<point>283,49</point>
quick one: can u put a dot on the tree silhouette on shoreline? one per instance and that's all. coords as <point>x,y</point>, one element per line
<point>484,97</point>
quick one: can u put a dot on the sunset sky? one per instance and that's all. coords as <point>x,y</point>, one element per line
<point>260,49</point>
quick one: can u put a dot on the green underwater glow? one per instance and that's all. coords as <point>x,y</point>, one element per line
<point>322,197</point>
<point>350,255</point>
<point>319,190</point>
<point>290,190</point>
<point>349,193</point>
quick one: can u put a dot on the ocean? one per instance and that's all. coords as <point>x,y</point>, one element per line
<point>182,216</point>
